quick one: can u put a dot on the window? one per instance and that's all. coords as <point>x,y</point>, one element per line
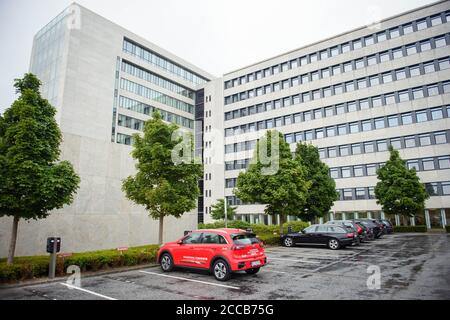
<point>444,162</point>
<point>340,109</point>
<point>431,188</point>
<point>374,80</point>
<point>313,57</point>
<point>327,92</point>
<point>371,169</point>
<point>359,63</point>
<point>357,44</point>
<point>192,238</point>
<point>414,71</point>
<point>397,53</point>
<point>410,142</point>
<point>317,113</point>
<point>371,60</point>
<point>356,148</point>
<point>412,49</point>
<point>303,61</point>
<point>319,133</point>
<point>400,74</point>
<point>349,86</point>
<point>368,147</point>
<point>325,73</point>
<point>323,54</point>
<point>379,123</point>
<point>387,77</point>
<point>396,143</point>
<point>384,56</point>
<point>413,164</point>
<point>307,115</point>
<point>351,106</point>
<point>309,135</point>
<point>429,67</point>
<point>342,129</point>
<point>334,51</point>
<point>347,194</point>
<point>345,47</point>
<point>299,137</point>
<point>287,120</point>
<point>295,81</point>
<point>275,69</point>
<point>354,127</point>
<point>382,145</point>
<point>393,121</point>
<point>269,124</point>
<point>433,90</point>
<point>348,67</point>
<point>417,93</point>
<point>440,137</point>
<point>316,94</point>
<point>381,36</point>
<point>321,153</point>
<point>445,188</point>
<point>406,118</point>
<point>428,164</point>
<point>290,138</point>
<point>371,192</point>
<point>440,42</point>
<point>369,40</point>
<point>346,172</point>
<point>334,173</point>
<point>305,78</point>
<point>336,70</point>
<point>436,20</point>
<point>278,122</point>
<point>407,28</point>
<point>366,125</point>
<point>297,118</point>
<point>338,89</point>
<point>424,140</point>
<point>328,111</point>
<point>332,153</point>
<point>358,171</point>
<point>395,33</point>
<point>344,151</point>
<point>296,99</point>
<point>425,45</point>
<point>390,99</point>
<point>306,97</point>
<point>331,132</point>
<point>360,193</point>
<point>403,96</point>
<point>421,116</point>
<point>422,24</point>
<point>362,83</point>
<point>446,87</point>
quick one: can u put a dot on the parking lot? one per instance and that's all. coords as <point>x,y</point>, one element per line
<point>412,266</point>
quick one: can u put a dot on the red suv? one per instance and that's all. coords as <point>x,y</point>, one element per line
<point>222,251</point>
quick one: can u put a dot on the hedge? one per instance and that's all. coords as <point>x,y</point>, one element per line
<point>420,228</point>
<point>269,234</point>
<point>37,266</point>
<point>447,228</point>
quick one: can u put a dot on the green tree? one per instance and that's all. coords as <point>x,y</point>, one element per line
<point>218,210</point>
<point>322,193</point>
<point>276,180</point>
<point>33,181</point>
<point>399,190</point>
<point>164,185</point>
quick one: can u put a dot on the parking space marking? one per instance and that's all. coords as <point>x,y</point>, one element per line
<point>192,280</point>
<point>293,260</point>
<point>274,271</point>
<point>87,291</point>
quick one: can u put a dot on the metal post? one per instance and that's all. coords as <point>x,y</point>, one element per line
<point>52,266</point>
<point>225,211</point>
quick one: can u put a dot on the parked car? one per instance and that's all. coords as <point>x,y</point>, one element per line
<point>330,235</point>
<point>389,228</point>
<point>361,233</point>
<point>221,251</point>
<point>375,226</point>
<point>368,232</point>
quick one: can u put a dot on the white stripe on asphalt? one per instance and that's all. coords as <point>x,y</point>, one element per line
<point>88,291</point>
<point>268,270</point>
<point>187,279</point>
<point>294,260</point>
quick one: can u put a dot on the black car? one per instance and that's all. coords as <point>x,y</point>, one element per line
<point>388,227</point>
<point>332,236</point>
<point>375,226</point>
<point>352,225</point>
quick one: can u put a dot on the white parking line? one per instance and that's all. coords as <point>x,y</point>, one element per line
<point>87,291</point>
<point>187,279</point>
<point>269,270</point>
<point>293,260</point>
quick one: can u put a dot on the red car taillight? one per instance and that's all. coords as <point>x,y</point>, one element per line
<point>237,247</point>
<point>349,235</point>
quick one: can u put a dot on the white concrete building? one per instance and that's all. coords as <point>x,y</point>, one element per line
<point>351,95</point>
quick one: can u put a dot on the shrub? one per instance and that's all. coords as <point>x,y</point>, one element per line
<point>447,228</point>
<point>37,266</point>
<point>420,228</point>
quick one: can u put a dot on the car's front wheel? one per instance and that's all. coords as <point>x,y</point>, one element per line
<point>288,242</point>
<point>166,262</point>
<point>252,271</point>
<point>333,244</point>
<point>221,270</point>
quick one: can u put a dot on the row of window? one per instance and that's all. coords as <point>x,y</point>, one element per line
<point>161,62</point>
<point>151,94</point>
<point>124,139</point>
<point>381,36</point>
<point>370,124</point>
<point>155,79</point>
<point>371,80</point>
<point>349,86</point>
<point>423,164</point>
<point>141,107</point>
<point>363,170</point>
<point>404,95</point>
<point>366,193</point>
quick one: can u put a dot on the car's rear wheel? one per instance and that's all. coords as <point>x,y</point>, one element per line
<point>333,244</point>
<point>288,242</point>
<point>166,262</point>
<point>221,270</point>
<point>252,271</point>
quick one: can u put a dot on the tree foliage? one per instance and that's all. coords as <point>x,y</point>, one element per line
<point>33,181</point>
<point>163,187</point>
<point>322,192</point>
<point>284,191</point>
<point>399,190</point>
<point>218,210</point>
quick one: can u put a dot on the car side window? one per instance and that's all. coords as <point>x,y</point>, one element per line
<point>331,229</point>
<point>310,229</point>
<point>192,238</point>
<point>212,238</point>
<point>322,229</point>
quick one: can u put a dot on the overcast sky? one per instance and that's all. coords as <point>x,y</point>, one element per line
<point>216,35</point>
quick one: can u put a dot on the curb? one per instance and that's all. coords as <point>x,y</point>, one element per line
<point>83,274</point>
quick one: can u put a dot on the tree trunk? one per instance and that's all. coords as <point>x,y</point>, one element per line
<point>281,223</point>
<point>161,228</point>
<point>12,244</point>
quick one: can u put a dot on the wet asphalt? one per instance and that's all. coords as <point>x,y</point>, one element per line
<point>412,266</point>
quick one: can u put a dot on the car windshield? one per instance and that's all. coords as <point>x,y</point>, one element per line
<point>244,238</point>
